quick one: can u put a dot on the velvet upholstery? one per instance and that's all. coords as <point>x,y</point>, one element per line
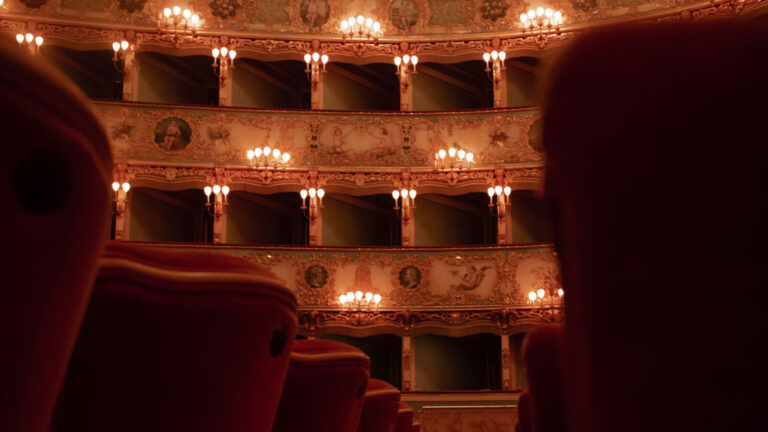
<point>325,388</point>
<point>178,341</point>
<point>416,427</point>
<point>656,151</point>
<point>524,413</point>
<point>404,418</point>
<point>542,353</point>
<point>55,173</point>
<point>382,404</point>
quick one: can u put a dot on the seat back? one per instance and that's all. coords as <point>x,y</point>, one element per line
<point>176,340</point>
<point>55,173</point>
<point>382,405</point>
<point>656,151</point>
<point>404,418</point>
<point>325,388</point>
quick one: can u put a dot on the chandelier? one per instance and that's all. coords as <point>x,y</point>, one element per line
<point>360,28</point>
<point>177,20</point>
<point>541,20</point>
<point>541,297</point>
<point>268,158</point>
<point>31,41</point>
<point>216,206</point>
<point>360,302</point>
<point>453,159</point>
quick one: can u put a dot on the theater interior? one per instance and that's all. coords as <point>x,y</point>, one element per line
<point>383,215</point>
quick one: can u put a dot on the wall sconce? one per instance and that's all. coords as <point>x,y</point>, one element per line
<point>121,196</point>
<point>227,60</point>
<point>120,49</point>
<point>31,41</point>
<point>541,297</point>
<point>265,157</point>
<point>175,20</point>
<point>315,202</point>
<point>313,70</point>
<point>360,302</point>
<point>216,206</point>
<point>498,65</point>
<point>407,202</point>
<point>541,21</point>
<point>453,159</point>
<point>360,28</point>
<point>403,72</point>
<point>502,201</point>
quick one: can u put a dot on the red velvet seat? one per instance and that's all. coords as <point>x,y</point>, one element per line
<point>404,418</point>
<point>324,389</point>
<point>179,341</point>
<point>55,173</point>
<point>656,151</point>
<point>416,427</point>
<point>382,404</point>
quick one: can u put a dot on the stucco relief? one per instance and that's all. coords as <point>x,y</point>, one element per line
<point>319,277</point>
<point>354,140</point>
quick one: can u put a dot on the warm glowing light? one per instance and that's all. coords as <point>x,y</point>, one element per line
<point>532,296</point>
<point>315,57</point>
<point>307,58</point>
<point>286,157</point>
<point>406,59</point>
<point>507,190</point>
<point>398,60</point>
<point>360,19</point>
<point>451,152</point>
<point>342,299</point>
<point>225,190</point>
<point>216,189</point>
<point>207,191</point>
<point>224,51</point>
<point>412,193</point>
<point>276,153</point>
<point>115,46</point>
<point>404,193</point>
<point>176,10</point>
<point>324,58</point>
<point>20,38</point>
<point>497,189</point>
<point>187,13</point>
<point>487,57</point>
<point>257,152</point>
<point>395,194</point>
<point>124,45</point>
<point>250,154</point>
<point>267,151</point>
<point>494,55</point>
<point>320,193</point>
<point>350,296</point>
<point>126,187</point>
<point>470,157</point>
<point>540,292</point>
<point>502,55</point>
<point>441,153</point>
<point>560,292</point>
<point>167,12</point>
<point>414,60</point>
<point>377,298</point>
<point>461,154</point>
<point>490,192</point>
<point>215,52</point>
<point>29,37</point>
<point>303,194</point>
<point>358,295</point>
<point>312,192</point>
<point>232,54</point>
<point>368,297</point>
<point>115,186</point>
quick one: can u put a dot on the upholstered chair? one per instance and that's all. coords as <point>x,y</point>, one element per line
<point>325,388</point>
<point>416,427</point>
<point>404,418</point>
<point>178,340</point>
<point>55,173</point>
<point>382,406</point>
<point>656,175</point>
<point>524,413</point>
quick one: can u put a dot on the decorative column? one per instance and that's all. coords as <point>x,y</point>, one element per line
<point>122,205</point>
<point>405,204</point>
<point>225,86</point>
<point>216,202</point>
<point>409,364</point>
<point>122,222</point>
<point>130,77</point>
<point>312,207</point>
<point>223,63</point>
<point>508,376</point>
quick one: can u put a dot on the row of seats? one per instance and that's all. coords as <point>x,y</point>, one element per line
<point>118,337</point>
